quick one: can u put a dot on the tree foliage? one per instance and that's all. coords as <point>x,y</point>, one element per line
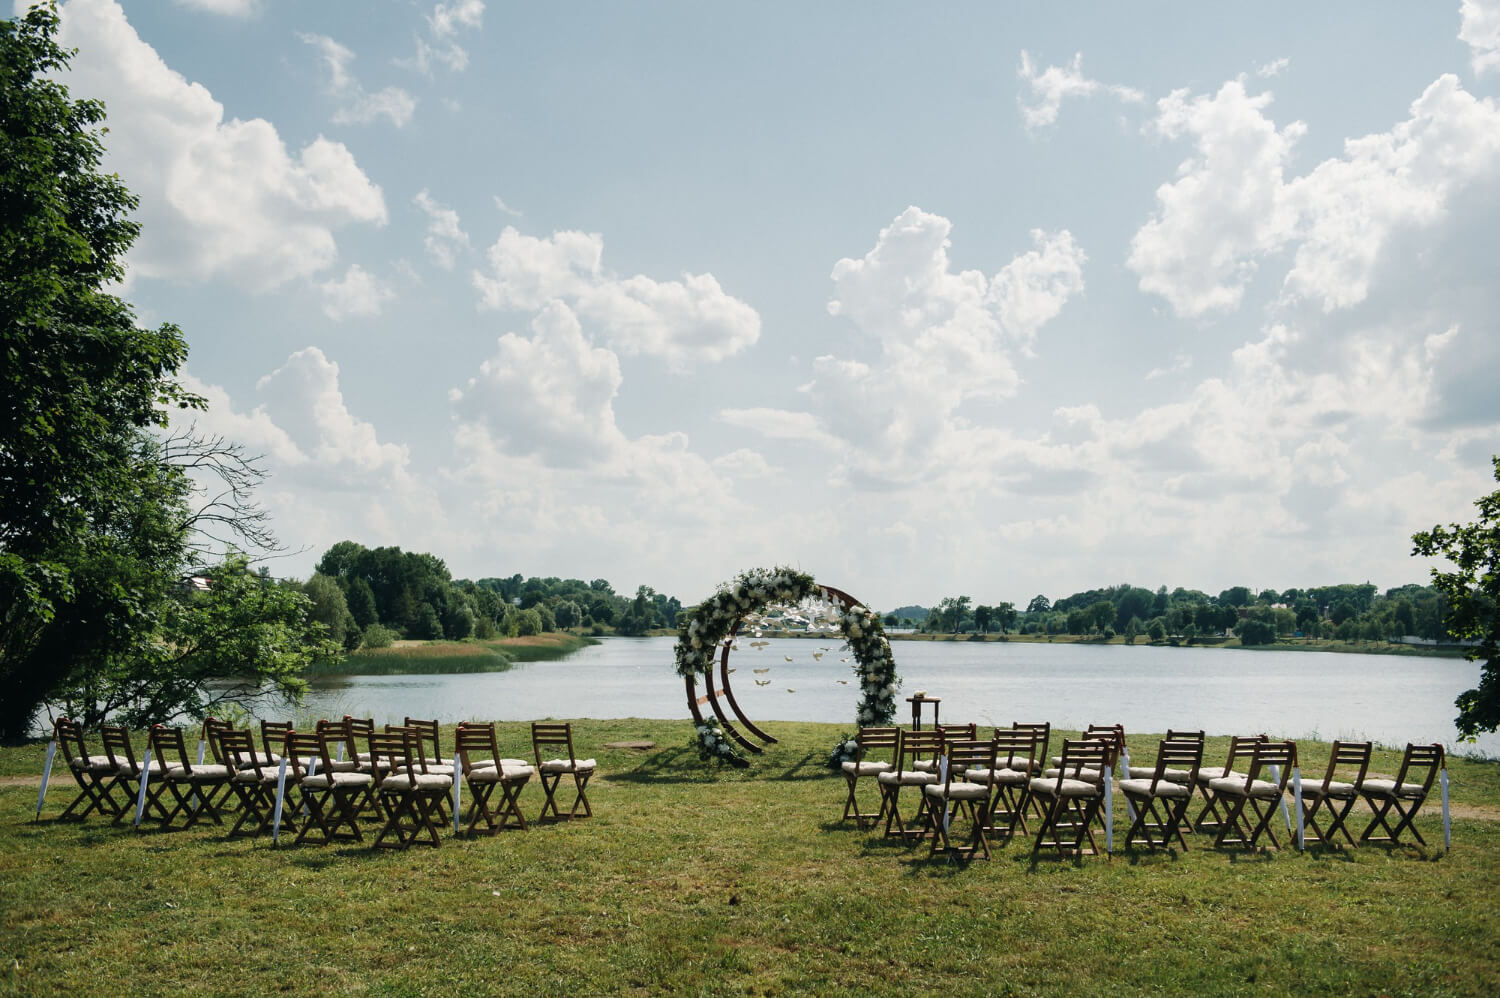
<point>1472,590</point>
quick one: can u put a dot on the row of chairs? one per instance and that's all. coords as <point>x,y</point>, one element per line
<point>993,784</point>
<point>325,780</point>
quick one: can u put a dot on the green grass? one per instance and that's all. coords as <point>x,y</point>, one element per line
<point>435,657</point>
<point>734,882</point>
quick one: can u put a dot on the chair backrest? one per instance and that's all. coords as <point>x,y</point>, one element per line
<point>1043,731</point>
<point>1019,749</point>
<point>237,749</point>
<point>302,748</point>
<point>428,732</point>
<point>168,742</point>
<point>273,736</point>
<point>1177,753</point>
<point>212,726</point>
<point>338,733</point>
<point>1241,748</point>
<point>394,750</point>
<point>69,735</point>
<point>552,733</point>
<point>473,742</point>
<point>416,745</point>
<point>359,728</point>
<point>915,746</point>
<point>1085,759</point>
<point>1419,767</point>
<point>958,732</point>
<point>1281,754</point>
<point>968,754</point>
<point>878,739</point>
<point>1350,760</point>
<point>1173,735</point>
<point>1114,733</point>
<point>116,738</point>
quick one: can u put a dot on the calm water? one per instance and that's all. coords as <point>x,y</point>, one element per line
<point>1387,698</point>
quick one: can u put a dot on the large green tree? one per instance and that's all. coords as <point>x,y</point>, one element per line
<point>1472,590</point>
<point>78,380</point>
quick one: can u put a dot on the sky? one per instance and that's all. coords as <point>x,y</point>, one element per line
<point>980,298</point>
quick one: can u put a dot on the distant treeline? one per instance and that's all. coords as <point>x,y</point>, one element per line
<point>371,596</point>
<point>1345,612</point>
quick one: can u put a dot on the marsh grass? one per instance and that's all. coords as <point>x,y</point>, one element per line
<point>438,657</point>
<point>735,882</point>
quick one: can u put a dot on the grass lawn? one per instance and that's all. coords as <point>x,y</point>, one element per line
<point>473,655</point>
<point>701,881</point>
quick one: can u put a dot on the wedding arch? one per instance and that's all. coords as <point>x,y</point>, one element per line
<point>709,633</point>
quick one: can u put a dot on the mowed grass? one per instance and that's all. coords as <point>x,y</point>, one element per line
<point>433,657</point>
<point>699,881</point>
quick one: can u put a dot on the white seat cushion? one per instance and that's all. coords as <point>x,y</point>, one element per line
<point>319,781</point>
<point>998,777</point>
<point>1166,788</point>
<point>906,779</point>
<point>425,781</point>
<point>1086,774</point>
<point>564,766</point>
<point>1387,788</point>
<point>1070,788</point>
<point>1334,789</point>
<point>1236,788</point>
<point>958,791</point>
<point>865,768</point>
<point>505,774</point>
<point>1147,772</point>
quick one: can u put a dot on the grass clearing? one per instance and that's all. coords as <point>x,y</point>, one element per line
<point>735,882</point>
<point>439,657</point>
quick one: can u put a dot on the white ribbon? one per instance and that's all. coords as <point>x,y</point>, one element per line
<point>1297,798</point>
<point>1109,812</point>
<point>340,756</point>
<point>140,794</point>
<point>943,779</point>
<point>201,746</point>
<point>1125,775</point>
<point>458,788</point>
<point>312,770</point>
<point>280,797</point>
<point>1447,820</point>
<point>41,794</point>
<point>1286,815</point>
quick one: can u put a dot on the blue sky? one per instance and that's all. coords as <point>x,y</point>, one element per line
<point>992,299</point>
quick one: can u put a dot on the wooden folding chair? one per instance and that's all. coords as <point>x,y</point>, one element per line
<point>1071,797</point>
<point>196,789</point>
<point>1241,747</point>
<point>1043,731</point>
<point>410,797</point>
<point>1404,795</point>
<point>1252,800</point>
<point>557,736</point>
<point>962,790</point>
<point>1171,773</point>
<point>869,740</point>
<point>1334,797</point>
<point>253,784</point>
<point>432,748</point>
<point>330,793</point>
<point>343,738</point>
<point>95,775</point>
<point>1018,754</point>
<point>121,753</point>
<point>484,772</point>
<point>1161,800</point>
<point>273,741</point>
<point>912,748</point>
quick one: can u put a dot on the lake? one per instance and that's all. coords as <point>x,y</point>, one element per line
<point>1391,699</point>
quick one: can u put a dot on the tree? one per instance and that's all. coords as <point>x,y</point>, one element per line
<point>1472,591</point>
<point>1005,616</point>
<point>953,611</point>
<point>79,380</point>
<point>1038,604</point>
<point>982,618</point>
<point>328,607</point>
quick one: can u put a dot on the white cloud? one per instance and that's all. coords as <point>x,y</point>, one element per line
<point>218,198</point>
<point>1271,69</point>
<point>745,463</point>
<point>444,25</point>
<point>357,293</point>
<point>358,106</point>
<point>1231,206</point>
<point>1051,86</point>
<point>780,424</point>
<point>231,8</point>
<point>1480,30</point>
<point>445,236</point>
<point>684,322</point>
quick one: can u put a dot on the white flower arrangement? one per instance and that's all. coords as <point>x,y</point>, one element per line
<point>713,622</point>
<point>712,746</point>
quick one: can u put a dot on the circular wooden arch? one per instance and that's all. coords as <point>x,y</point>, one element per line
<point>724,693</point>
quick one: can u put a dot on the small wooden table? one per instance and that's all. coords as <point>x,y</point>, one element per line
<point>916,710</point>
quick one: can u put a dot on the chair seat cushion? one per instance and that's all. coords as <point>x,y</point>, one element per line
<point>1208,773</point>
<point>424,781</point>
<point>925,765</point>
<point>1236,788</point>
<point>958,791</point>
<point>998,777</point>
<point>1147,772</point>
<point>865,768</point>
<point>320,781</point>
<point>906,779</point>
<point>501,774</point>
<point>1086,774</point>
<point>1334,789</point>
<point>206,773</point>
<point>564,766</point>
<point>92,763</point>
<point>266,778</point>
<point>1387,788</point>
<point>1166,788</point>
<point>1070,788</point>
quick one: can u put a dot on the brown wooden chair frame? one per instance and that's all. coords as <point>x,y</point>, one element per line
<point>560,734</point>
<point>870,739</point>
<point>410,796</point>
<point>95,775</point>
<point>1161,807</point>
<point>912,747</point>
<point>1238,827</point>
<point>1083,760</point>
<point>970,797</point>
<point>1335,798</point>
<point>1405,796</point>
<point>483,776</point>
